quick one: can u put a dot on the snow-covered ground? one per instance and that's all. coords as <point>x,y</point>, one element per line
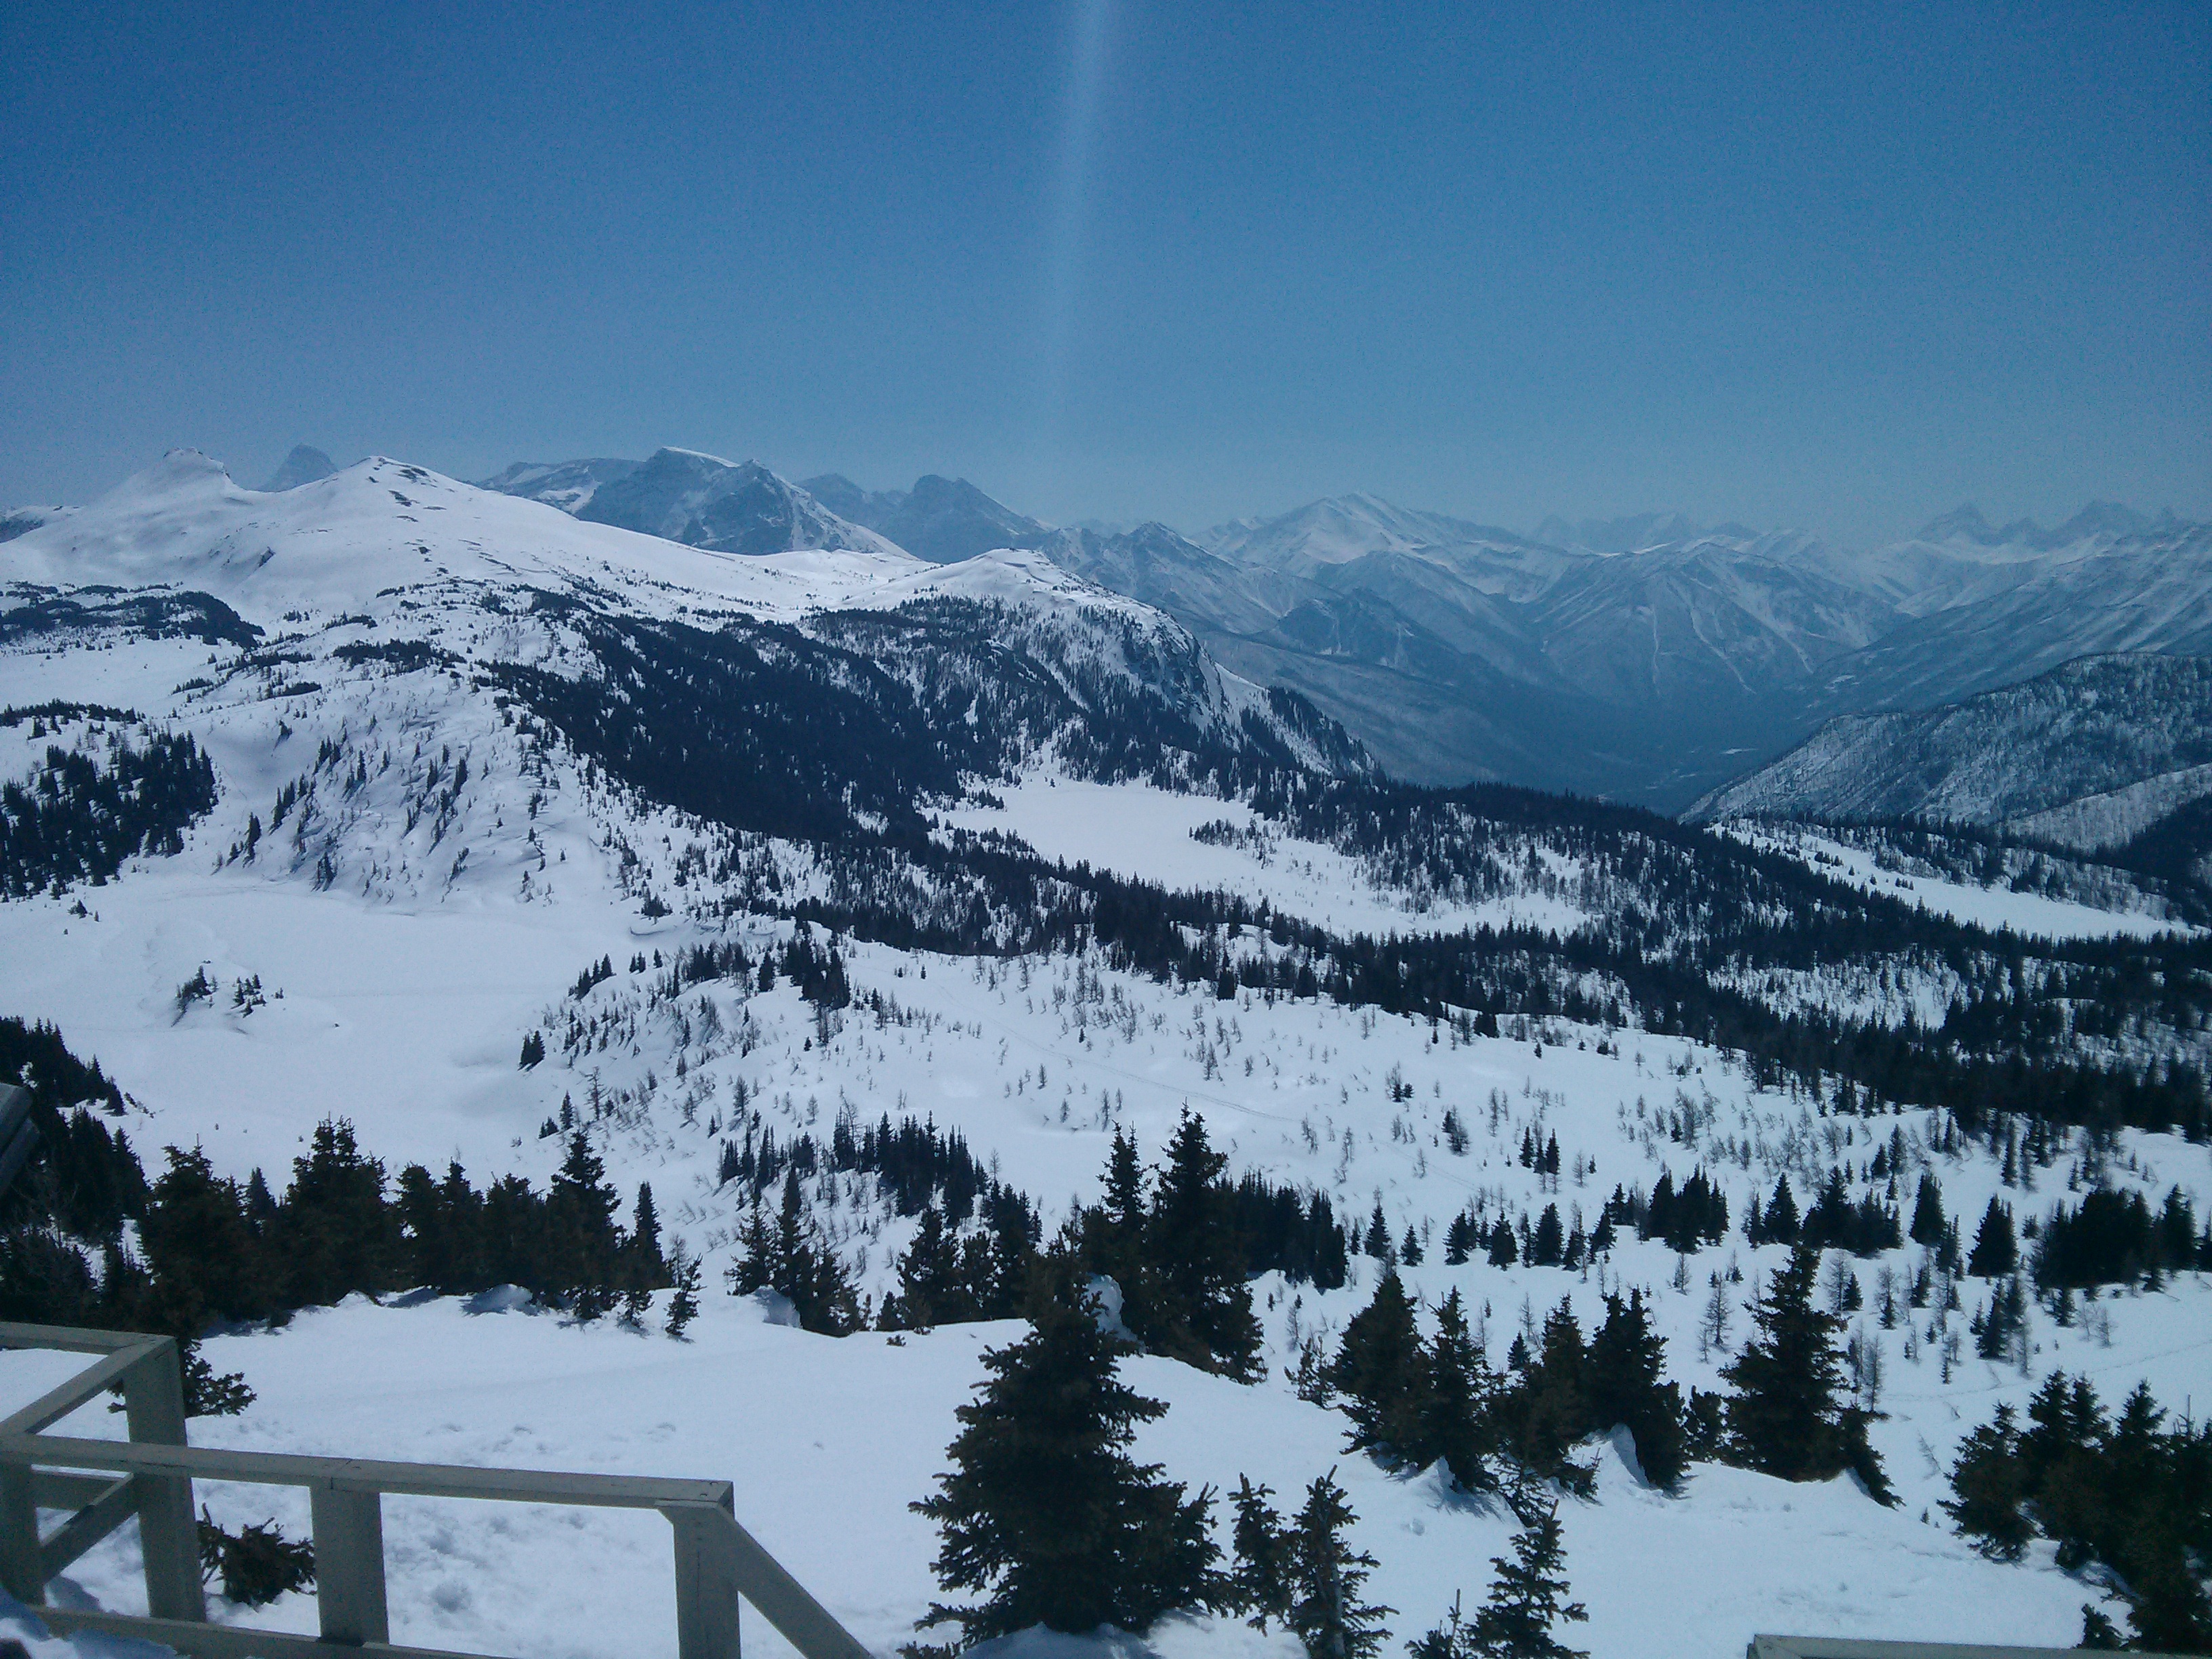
<point>1032,1060</point>
<point>398,995</point>
<point>1134,830</point>
<point>2028,914</point>
<point>829,1439</point>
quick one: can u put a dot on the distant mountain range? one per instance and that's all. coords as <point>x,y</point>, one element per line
<point>1644,658</point>
<point>2110,756</point>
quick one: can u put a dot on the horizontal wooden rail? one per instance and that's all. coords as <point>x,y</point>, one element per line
<point>618,1492</point>
<point>718,1562</point>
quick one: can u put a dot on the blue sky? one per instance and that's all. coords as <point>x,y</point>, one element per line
<point>1829,266</point>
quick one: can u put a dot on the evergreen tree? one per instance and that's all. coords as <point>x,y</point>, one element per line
<point>1628,1386</point>
<point>1997,1248</point>
<point>1549,1412</point>
<point>1990,1487</point>
<point>683,1306</point>
<point>1528,1598</point>
<point>1928,1219</point>
<point>1113,1241</point>
<point>1551,1241</point>
<point>1327,1577</point>
<point>201,1256</point>
<point>1786,1416</point>
<point>1261,1581</point>
<point>582,1239</point>
<point>933,1289</point>
<point>336,1232</point>
<point>1780,1222</point>
<point>1383,1373</point>
<point>648,1268</point>
<point>1460,1404</point>
<point>1044,1512</point>
<point>1198,1308</point>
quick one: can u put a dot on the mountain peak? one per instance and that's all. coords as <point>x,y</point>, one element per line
<point>727,507</point>
<point>1964,522</point>
<point>304,466</point>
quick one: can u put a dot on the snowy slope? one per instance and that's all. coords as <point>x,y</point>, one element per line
<point>2021,756</point>
<point>829,1439</point>
<point>408,928</point>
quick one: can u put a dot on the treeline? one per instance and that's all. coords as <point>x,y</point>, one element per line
<point>2126,1493</point>
<point>1414,1400</point>
<point>1180,1243</point>
<point>220,1251</point>
<point>214,1251</point>
<point>1678,916</point>
<point>1864,1225</point>
<point>833,733</point>
<point>1624,969</point>
<point>2116,1237</point>
<point>77,817</point>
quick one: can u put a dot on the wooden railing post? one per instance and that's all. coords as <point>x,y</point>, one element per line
<point>705,1579</point>
<point>168,1531</point>
<point>23,1572</point>
<point>350,1565</point>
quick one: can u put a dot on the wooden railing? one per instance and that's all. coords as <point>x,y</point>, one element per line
<point>150,1475</point>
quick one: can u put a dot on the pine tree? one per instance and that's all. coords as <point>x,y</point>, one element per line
<point>683,1306</point>
<point>201,1256</point>
<point>1526,1598</point>
<point>1990,1483</point>
<point>1044,1513</point>
<point>932,1288</point>
<point>1382,1372</point>
<point>1786,1416</point>
<point>1460,1404</point>
<point>1114,1243</point>
<point>1198,1309</point>
<point>1327,1576</point>
<point>1927,1221</point>
<point>1549,1412</point>
<point>648,1268</point>
<point>1261,1581</point>
<point>582,1240</point>
<point>336,1233</point>
<point>1997,1248</point>
<point>1627,1386</point>
<point>1780,1222</point>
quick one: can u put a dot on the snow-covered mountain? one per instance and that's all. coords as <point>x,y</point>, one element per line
<point>569,485</point>
<point>1642,658</point>
<point>2108,755</point>
<point>941,519</point>
<point>1643,665</point>
<point>304,464</point>
<point>2093,728</point>
<point>480,777</point>
<point>683,495</point>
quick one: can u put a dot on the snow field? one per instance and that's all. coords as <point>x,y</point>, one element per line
<point>2030,915</point>
<point>829,1439</point>
<point>398,994</point>
<point>1139,832</point>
